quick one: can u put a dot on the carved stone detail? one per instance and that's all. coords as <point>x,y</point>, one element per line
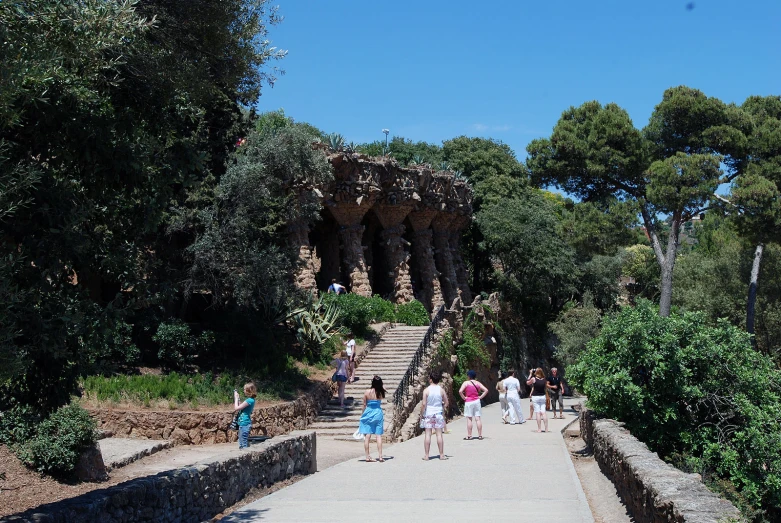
<point>354,260</point>
<point>423,251</point>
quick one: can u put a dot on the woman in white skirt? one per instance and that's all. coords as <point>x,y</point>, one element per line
<point>503,397</point>
<point>432,414</point>
<point>538,384</point>
<point>513,388</point>
<point>472,391</point>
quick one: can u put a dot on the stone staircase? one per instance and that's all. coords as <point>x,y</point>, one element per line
<point>389,359</point>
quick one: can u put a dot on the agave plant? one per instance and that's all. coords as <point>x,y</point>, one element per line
<point>315,325</point>
<point>444,166</point>
<point>336,141</point>
<point>351,147</point>
<point>417,160</point>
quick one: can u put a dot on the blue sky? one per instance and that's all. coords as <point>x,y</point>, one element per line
<point>433,70</point>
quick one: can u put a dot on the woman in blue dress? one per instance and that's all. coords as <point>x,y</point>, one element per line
<point>372,418</point>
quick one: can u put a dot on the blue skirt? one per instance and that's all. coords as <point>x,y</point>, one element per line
<point>372,419</point>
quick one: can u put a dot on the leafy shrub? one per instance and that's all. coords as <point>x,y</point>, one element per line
<point>574,328</point>
<point>178,347</point>
<point>413,313</point>
<point>316,329</point>
<point>59,441</point>
<point>17,424</point>
<point>359,311</point>
<point>686,387</point>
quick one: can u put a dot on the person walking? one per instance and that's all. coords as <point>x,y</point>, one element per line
<point>349,348</point>
<point>556,393</point>
<point>432,414</point>
<point>531,404</point>
<point>245,409</point>
<point>372,418</point>
<point>513,388</point>
<point>503,397</point>
<point>539,384</point>
<point>340,376</point>
<point>472,392</point>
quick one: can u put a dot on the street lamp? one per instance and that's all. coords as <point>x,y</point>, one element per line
<point>386,131</point>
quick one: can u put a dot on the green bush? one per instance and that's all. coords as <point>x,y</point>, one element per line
<point>687,387</point>
<point>178,347</point>
<point>357,312</point>
<point>412,313</point>
<point>18,424</point>
<point>59,441</point>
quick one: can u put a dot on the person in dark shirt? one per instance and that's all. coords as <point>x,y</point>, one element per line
<point>556,393</point>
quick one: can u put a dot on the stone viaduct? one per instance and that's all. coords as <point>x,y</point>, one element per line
<point>387,230</point>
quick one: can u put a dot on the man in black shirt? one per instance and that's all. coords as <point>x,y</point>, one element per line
<point>556,393</point>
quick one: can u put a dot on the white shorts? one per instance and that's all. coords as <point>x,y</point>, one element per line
<point>472,409</point>
<point>539,403</point>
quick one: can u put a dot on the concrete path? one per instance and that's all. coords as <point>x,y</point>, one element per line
<point>512,473</point>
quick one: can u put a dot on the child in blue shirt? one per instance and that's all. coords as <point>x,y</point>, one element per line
<point>245,414</point>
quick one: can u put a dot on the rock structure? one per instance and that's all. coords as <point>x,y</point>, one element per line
<point>387,230</point>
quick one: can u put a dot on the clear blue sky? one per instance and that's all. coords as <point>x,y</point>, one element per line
<point>433,70</point>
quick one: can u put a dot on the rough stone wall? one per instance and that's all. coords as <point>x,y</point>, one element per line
<point>196,428</point>
<point>354,260</point>
<point>195,493</point>
<point>298,234</point>
<point>423,250</point>
<point>398,260</point>
<point>444,262</point>
<point>462,274</point>
<point>653,490</point>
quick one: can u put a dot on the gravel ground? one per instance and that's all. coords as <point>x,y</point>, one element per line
<point>603,499</point>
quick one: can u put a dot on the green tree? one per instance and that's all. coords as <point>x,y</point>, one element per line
<point>671,168</point>
<point>111,114</point>
<point>536,267</point>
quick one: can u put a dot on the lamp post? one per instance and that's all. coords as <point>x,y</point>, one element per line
<point>386,131</point>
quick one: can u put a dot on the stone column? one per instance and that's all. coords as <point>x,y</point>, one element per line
<point>430,293</point>
<point>349,215</point>
<point>305,277</point>
<point>398,259</point>
<point>444,256</point>
<point>354,260</point>
<point>462,274</point>
<point>391,216</point>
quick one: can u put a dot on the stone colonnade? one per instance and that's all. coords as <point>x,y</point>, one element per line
<point>398,231</point>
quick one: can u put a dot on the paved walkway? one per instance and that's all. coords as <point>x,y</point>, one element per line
<point>512,473</point>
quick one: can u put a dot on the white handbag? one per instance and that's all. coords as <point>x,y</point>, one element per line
<point>357,435</point>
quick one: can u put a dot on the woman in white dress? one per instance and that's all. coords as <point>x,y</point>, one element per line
<point>432,414</point>
<point>513,388</point>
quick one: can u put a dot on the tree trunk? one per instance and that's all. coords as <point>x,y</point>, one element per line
<point>666,260</point>
<point>752,291</point>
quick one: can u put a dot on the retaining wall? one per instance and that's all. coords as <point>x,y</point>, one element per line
<point>654,491</point>
<point>194,493</point>
<point>196,428</point>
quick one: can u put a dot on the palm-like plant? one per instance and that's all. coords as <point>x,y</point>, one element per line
<point>336,141</point>
<point>444,166</point>
<point>316,325</point>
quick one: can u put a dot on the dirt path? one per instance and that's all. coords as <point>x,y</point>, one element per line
<point>606,506</point>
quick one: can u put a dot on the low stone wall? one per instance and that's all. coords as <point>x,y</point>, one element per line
<point>196,428</point>
<point>194,493</point>
<point>654,491</point>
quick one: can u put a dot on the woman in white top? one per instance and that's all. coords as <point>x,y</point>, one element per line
<point>503,397</point>
<point>349,348</point>
<point>513,388</point>
<point>432,414</point>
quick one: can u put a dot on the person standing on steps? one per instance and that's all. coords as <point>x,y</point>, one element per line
<point>340,375</point>
<point>503,397</point>
<point>372,418</point>
<point>472,391</point>
<point>245,412</point>
<point>432,414</point>
<point>556,393</point>
<point>513,388</point>
<point>538,384</point>
<point>349,348</point>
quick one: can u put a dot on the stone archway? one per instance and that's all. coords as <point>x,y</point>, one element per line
<point>376,260</point>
